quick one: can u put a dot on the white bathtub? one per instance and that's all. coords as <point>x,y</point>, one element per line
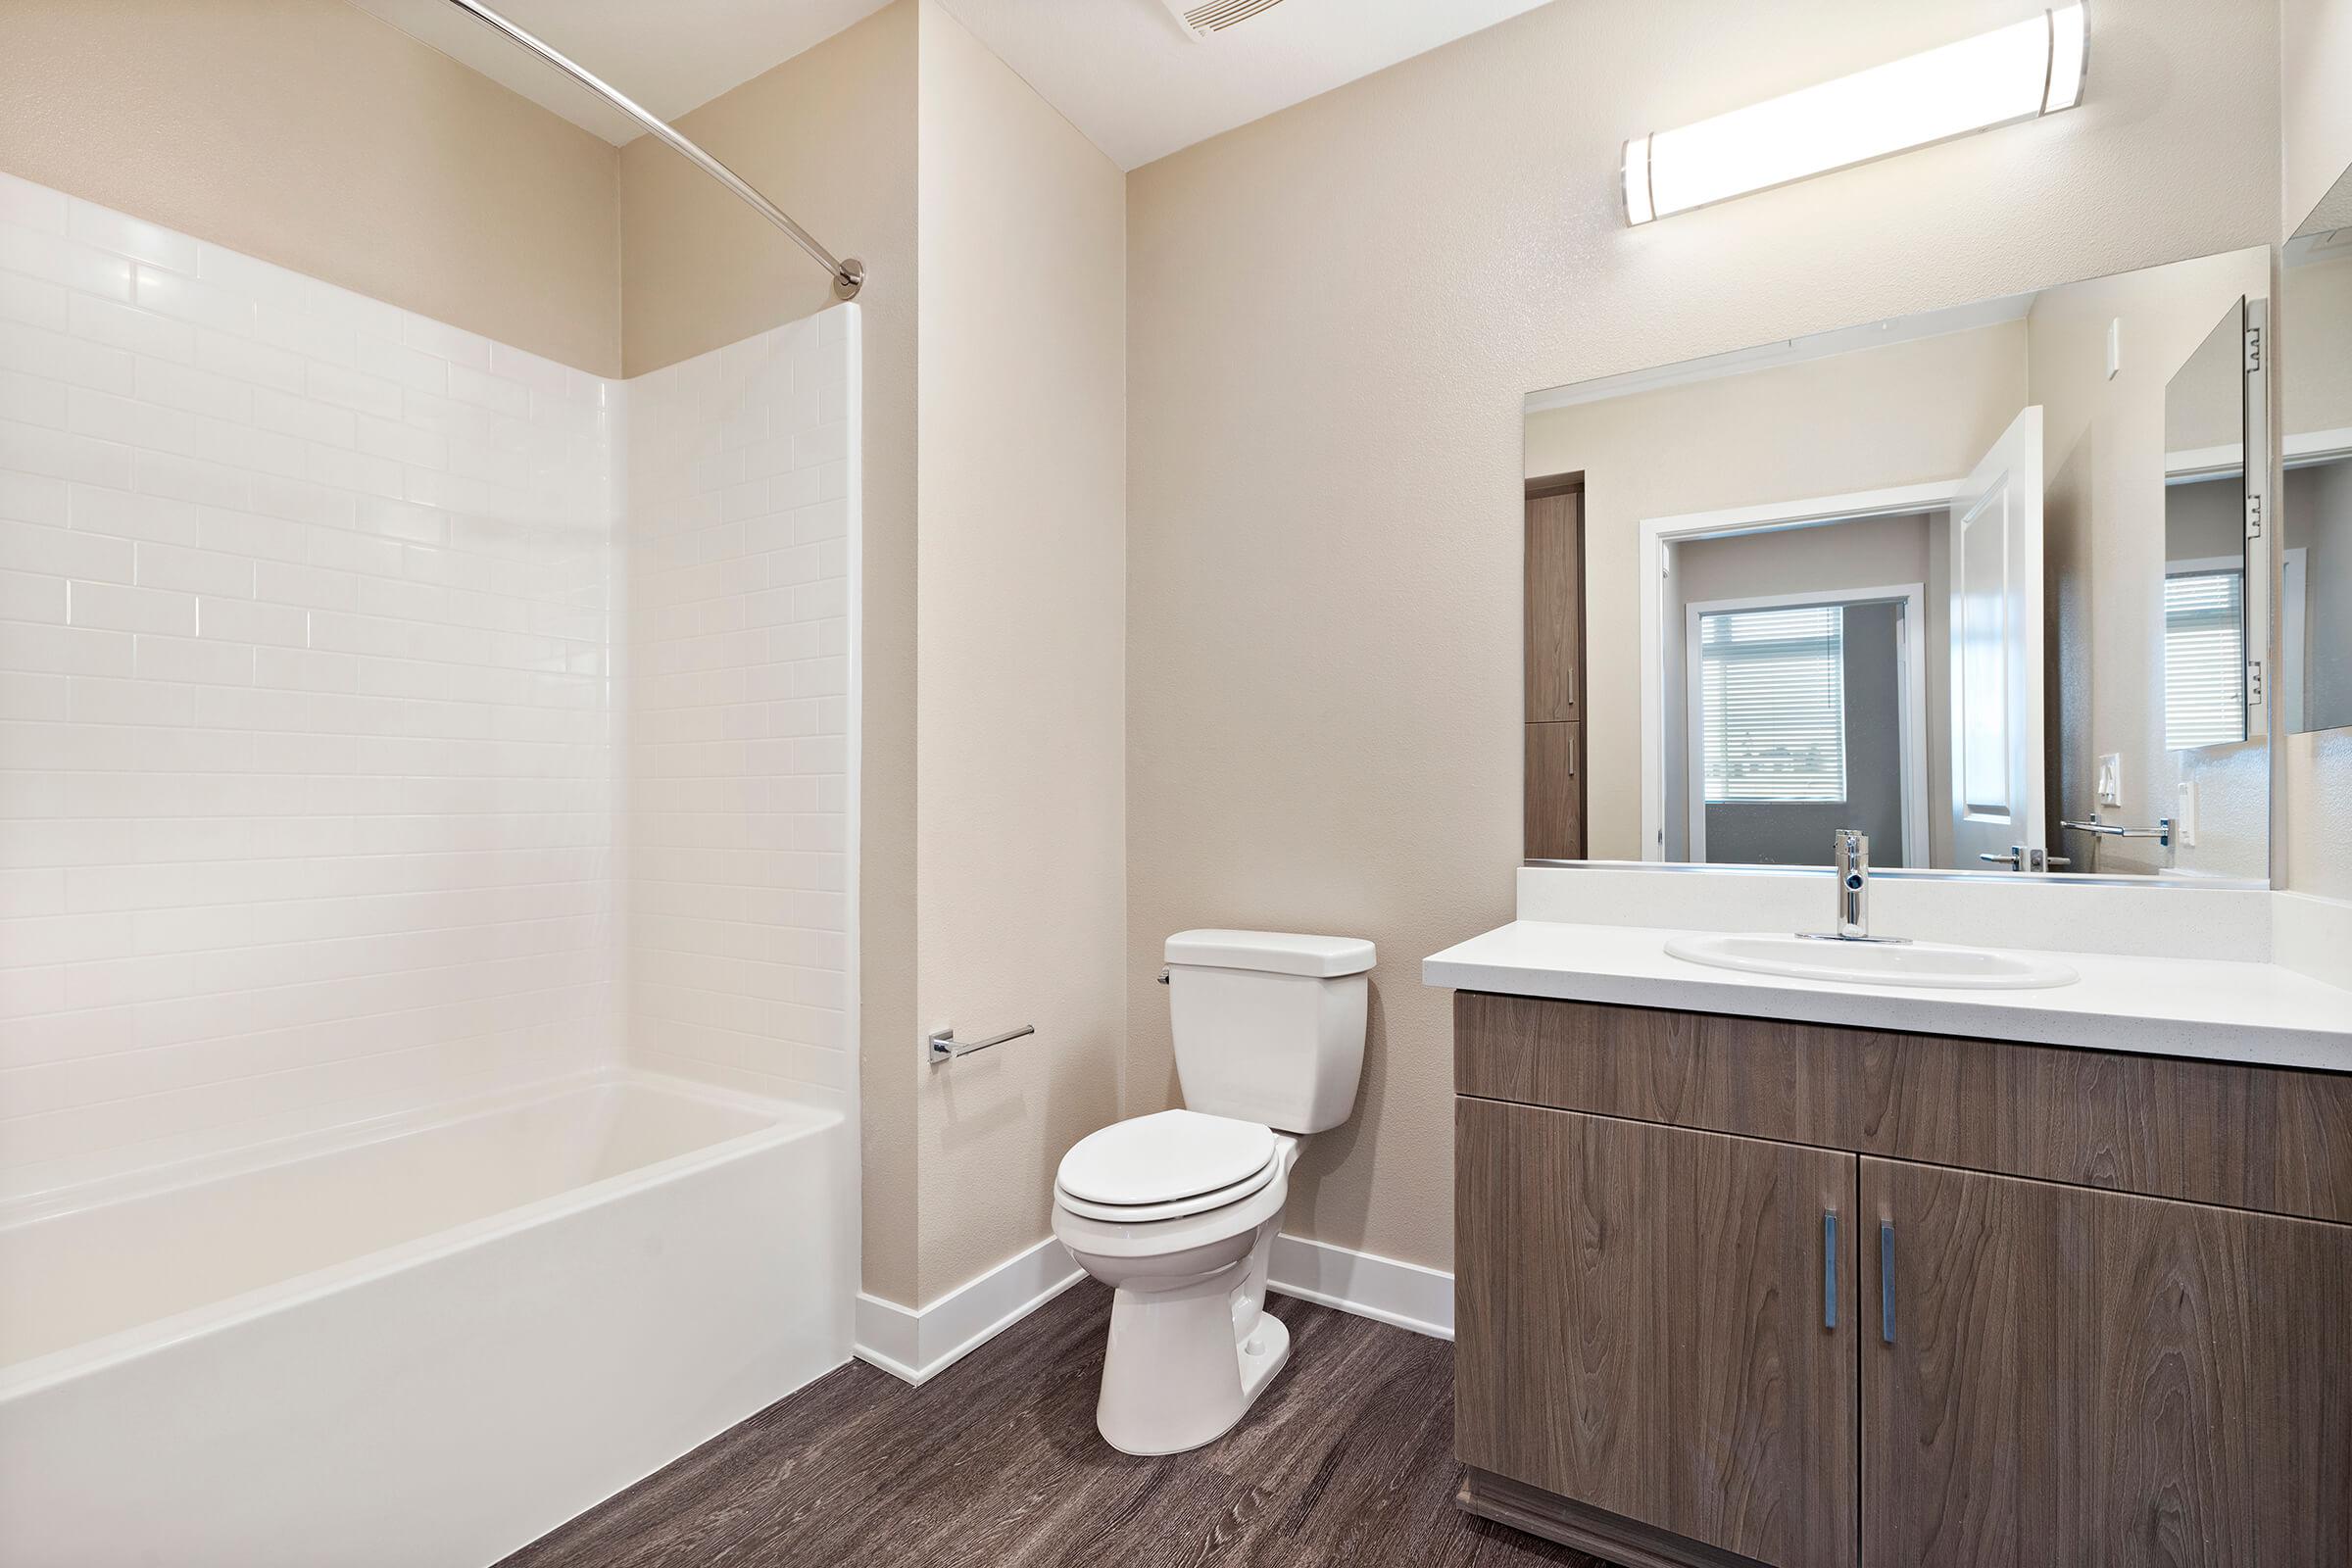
<point>420,1345</point>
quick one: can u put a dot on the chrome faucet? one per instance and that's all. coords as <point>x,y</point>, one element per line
<point>1851,849</point>
<point>1853,885</point>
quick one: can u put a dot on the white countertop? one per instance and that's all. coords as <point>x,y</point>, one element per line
<point>2221,1012</point>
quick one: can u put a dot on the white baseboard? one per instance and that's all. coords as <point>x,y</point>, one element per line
<point>1407,1295</point>
<point>917,1345</point>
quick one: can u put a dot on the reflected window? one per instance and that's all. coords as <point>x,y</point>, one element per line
<point>1773,688</point>
<point>2204,675</point>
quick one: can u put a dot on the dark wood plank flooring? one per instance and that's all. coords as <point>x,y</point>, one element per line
<point>996,1463</point>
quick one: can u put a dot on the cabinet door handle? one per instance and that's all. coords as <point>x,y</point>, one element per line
<point>1887,1280</point>
<point>1829,1268</point>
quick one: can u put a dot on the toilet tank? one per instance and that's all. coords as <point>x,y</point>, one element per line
<point>1269,1026</point>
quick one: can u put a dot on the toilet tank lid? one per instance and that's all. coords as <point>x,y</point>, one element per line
<point>1271,952</point>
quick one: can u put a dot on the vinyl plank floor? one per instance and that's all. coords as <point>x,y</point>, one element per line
<point>994,1463</point>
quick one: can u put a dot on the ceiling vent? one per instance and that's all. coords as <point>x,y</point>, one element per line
<point>1210,17</point>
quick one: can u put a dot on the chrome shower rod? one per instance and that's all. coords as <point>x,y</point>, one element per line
<point>848,274</point>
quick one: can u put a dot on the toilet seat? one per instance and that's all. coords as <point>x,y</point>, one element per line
<point>1127,1237</point>
<point>1164,1162</point>
<point>1172,1209</point>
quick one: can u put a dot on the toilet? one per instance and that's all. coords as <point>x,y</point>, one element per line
<point>1177,1211</point>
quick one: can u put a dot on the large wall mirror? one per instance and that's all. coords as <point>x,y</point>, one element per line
<point>2315,685</point>
<point>1991,585</point>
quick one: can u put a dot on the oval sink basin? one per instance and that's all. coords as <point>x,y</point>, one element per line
<point>1874,963</point>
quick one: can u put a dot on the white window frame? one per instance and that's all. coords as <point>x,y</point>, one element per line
<point>1658,538</point>
<point>1913,651</point>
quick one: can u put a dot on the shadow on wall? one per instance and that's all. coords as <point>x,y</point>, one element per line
<point>979,1110</point>
<point>1326,1150</point>
<point>2070,771</point>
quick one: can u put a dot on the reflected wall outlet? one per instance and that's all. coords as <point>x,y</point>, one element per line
<point>2184,814</point>
<point>2111,778</point>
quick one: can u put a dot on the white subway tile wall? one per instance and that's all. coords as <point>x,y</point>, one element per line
<point>741,469</point>
<point>309,752</point>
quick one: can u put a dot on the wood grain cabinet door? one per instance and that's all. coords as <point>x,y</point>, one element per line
<point>1555,606</point>
<point>2070,1376</point>
<point>1649,1321</point>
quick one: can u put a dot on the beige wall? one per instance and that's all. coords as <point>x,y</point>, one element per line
<point>311,134</point>
<point>2315,110</point>
<point>2103,452</point>
<point>1909,414</point>
<point>830,136</point>
<point>2315,316</point>
<point>2318,767</point>
<point>1333,316</point>
<point>2316,113</point>
<point>1021,676</point>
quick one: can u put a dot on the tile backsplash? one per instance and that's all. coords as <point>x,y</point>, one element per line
<point>313,759</point>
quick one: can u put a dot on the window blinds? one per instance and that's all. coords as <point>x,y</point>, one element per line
<point>2204,659</point>
<point>1773,682</point>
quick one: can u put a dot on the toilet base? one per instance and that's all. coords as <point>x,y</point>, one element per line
<point>1208,1408</point>
<point>1185,1363</point>
<point>1263,1354</point>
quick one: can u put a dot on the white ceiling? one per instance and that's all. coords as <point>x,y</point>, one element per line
<point>1140,87</point>
<point>1124,72</point>
<point>669,55</point>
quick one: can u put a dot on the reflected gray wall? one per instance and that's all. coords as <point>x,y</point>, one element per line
<point>1828,559</point>
<point>1797,833</point>
<point>2319,522</point>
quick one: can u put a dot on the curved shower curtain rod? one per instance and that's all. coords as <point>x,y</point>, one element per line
<point>848,274</point>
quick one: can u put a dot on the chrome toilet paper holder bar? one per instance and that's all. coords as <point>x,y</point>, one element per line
<point>945,1047</point>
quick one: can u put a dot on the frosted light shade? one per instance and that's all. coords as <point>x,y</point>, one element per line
<point>2015,73</point>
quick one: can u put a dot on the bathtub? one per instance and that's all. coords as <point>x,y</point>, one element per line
<point>422,1343</point>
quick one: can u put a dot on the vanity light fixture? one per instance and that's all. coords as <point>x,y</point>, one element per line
<point>2019,71</point>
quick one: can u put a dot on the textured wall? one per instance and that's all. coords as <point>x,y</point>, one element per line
<point>1021,587</point>
<point>1333,316</point>
<point>306,780</point>
<point>311,134</point>
<point>2315,111</point>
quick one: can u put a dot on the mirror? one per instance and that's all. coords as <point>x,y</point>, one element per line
<point>2205,546</point>
<point>2315,663</point>
<point>1974,582</point>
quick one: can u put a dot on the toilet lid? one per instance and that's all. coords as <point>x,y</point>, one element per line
<point>1167,1155</point>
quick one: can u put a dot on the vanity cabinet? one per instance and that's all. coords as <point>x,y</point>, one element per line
<point>2071,1375</point>
<point>1604,1255</point>
<point>1737,1290</point>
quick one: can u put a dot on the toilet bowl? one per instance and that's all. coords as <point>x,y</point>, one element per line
<point>1191,1343</point>
<point>1177,1211</point>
